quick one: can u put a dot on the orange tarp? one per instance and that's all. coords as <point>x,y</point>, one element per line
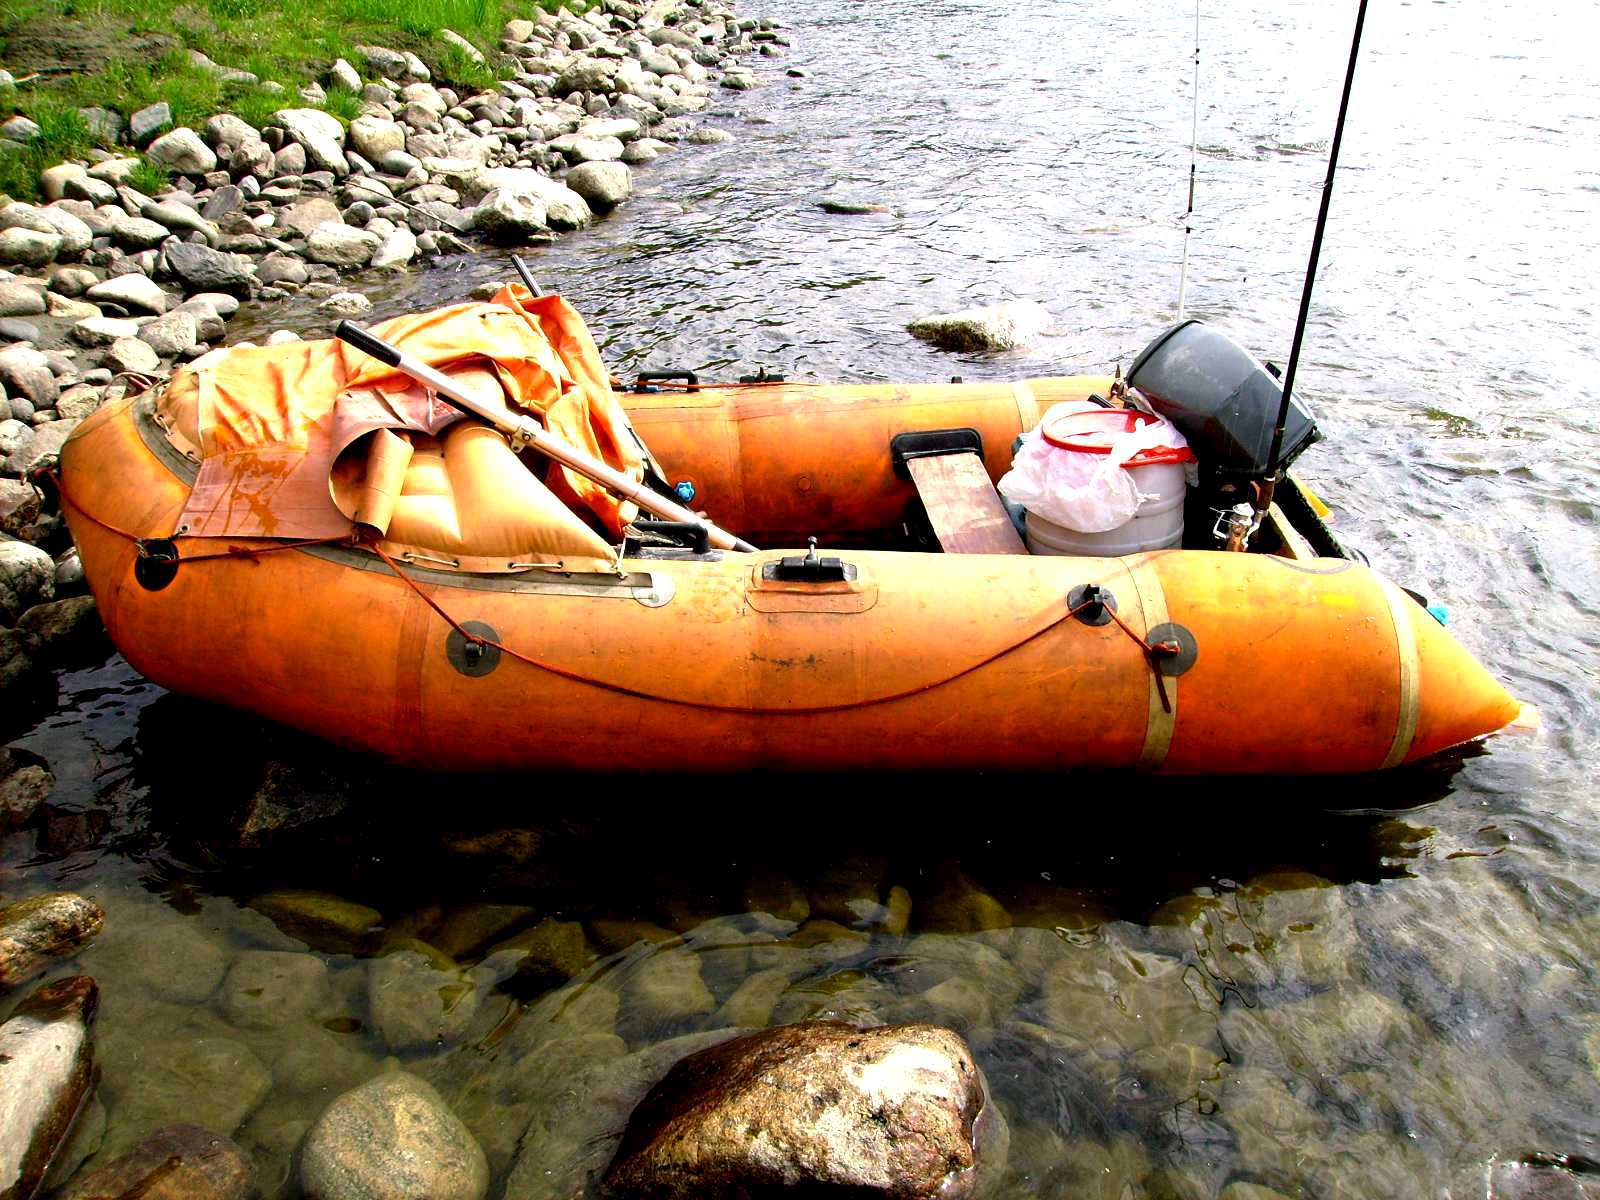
<point>273,419</point>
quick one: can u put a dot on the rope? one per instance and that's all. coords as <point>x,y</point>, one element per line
<point>1151,652</point>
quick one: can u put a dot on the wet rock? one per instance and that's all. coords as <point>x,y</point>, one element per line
<point>392,1138</point>
<point>27,684</point>
<point>666,990</point>
<point>507,215</point>
<point>19,505</point>
<point>20,300</point>
<point>778,895</point>
<point>88,1132</point>
<point>615,934</point>
<point>46,1072</point>
<point>956,904</point>
<point>166,1079</point>
<point>552,952</point>
<point>1539,1177</point>
<point>171,334</point>
<point>706,135</point>
<point>323,922</point>
<point>269,989</point>
<point>603,185</point>
<point>158,953</point>
<point>130,356</point>
<point>1241,1189</point>
<point>180,1162</point>
<point>277,269</point>
<point>416,1006</point>
<point>851,207</point>
<point>1324,1034</point>
<point>1007,326</point>
<point>35,932</point>
<point>147,122</point>
<point>133,293</point>
<point>69,632</point>
<point>203,269</point>
<point>27,577</point>
<point>183,151</point>
<point>342,245</point>
<point>346,304</point>
<point>473,926</point>
<point>887,1111</point>
<point>397,249</point>
<point>1120,999</point>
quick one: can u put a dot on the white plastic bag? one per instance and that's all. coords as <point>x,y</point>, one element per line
<point>1088,492</point>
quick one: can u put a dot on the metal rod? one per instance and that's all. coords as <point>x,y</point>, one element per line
<point>524,430</point>
<point>527,276</point>
<point>1194,152</point>
<point>1316,247</point>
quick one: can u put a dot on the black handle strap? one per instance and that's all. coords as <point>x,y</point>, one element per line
<point>368,343</point>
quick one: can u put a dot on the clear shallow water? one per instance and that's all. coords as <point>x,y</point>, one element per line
<point>1169,993</point>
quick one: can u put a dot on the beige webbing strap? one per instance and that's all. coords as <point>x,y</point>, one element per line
<point>1027,405</point>
<point>1405,644</point>
<point>1159,723</point>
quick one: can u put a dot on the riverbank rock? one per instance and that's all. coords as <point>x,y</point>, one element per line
<point>603,185</point>
<point>27,576</point>
<point>46,1068</point>
<point>24,786</point>
<point>392,1138</point>
<point>69,631</point>
<point>1008,326</point>
<point>35,932</point>
<point>181,1162</point>
<point>819,1106</point>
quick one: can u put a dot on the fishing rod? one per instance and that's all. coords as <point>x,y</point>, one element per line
<point>1194,152</point>
<point>1311,268</point>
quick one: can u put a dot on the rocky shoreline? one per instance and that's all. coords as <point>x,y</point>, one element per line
<point>104,288</point>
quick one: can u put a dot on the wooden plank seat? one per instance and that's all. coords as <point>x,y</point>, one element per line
<point>963,507</point>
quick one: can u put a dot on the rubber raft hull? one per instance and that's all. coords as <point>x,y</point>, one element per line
<point>924,661</point>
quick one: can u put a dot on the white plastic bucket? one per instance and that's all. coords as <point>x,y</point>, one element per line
<point>1158,473</point>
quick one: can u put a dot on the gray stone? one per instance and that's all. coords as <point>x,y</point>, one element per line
<point>53,180</point>
<point>391,64</point>
<point>415,1006</point>
<point>202,269</point>
<point>76,234</point>
<point>705,135</point>
<point>48,438</point>
<point>392,1138</point>
<point>90,189</point>
<point>276,269</point>
<point>14,329</point>
<point>132,292</point>
<point>114,170</point>
<point>1007,326</point>
<point>374,136</point>
<point>16,440</point>
<point>171,334</point>
<point>132,356</point>
<point>20,300</point>
<point>26,372</point>
<point>78,402</point>
<point>225,129</point>
<point>104,125</point>
<point>19,507</point>
<point>102,331</point>
<point>321,136</point>
<point>398,248</point>
<point>69,632</point>
<point>270,989</point>
<point>345,76</point>
<point>306,215</point>
<point>28,247</point>
<point>73,281</point>
<point>184,151</point>
<point>147,122</point>
<point>342,246</point>
<point>509,215</point>
<point>19,129</point>
<point>224,200</point>
<point>140,233</point>
<point>346,304</point>
<point>603,185</point>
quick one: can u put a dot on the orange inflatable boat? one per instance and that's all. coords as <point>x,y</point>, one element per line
<point>303,533</point>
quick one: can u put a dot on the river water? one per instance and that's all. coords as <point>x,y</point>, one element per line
<point>1369,989</point>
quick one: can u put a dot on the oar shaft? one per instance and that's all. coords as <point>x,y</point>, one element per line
<point>527,431</point>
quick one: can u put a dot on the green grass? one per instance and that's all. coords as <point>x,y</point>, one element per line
<point>150,178</point>
<point>291,42</point>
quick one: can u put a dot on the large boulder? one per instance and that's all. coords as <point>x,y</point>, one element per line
<point>342,245</point>
<point>510,215</point>
<point>1007,326</point>
<point>203,269</point>
<point>184,151</point>
<point>821,1106</point>
<point>587,75</point>
<point>319,134</point>
<point>603,185</point>
<point>75,232</point>
<point>392,1138</point>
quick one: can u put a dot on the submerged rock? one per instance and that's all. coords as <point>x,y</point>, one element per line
<point>323,922</point>
<point>268,989</point>
<point>1007,326</point>
<point>162,1081</point>
<point>46,1071</point>
<point>416,1006</point>
<point>24,786</point>
<point>818,1106</point>
<point>392,1138</point>
<point>181,1162</point>
<point>35,932</point>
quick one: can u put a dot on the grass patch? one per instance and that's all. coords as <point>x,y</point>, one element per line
<point>291,42</point>
<point>150,178</point>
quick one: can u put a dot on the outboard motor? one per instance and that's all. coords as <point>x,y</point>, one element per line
<point>1225,404</point>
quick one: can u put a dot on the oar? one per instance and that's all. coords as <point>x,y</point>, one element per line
<point>525,431</point>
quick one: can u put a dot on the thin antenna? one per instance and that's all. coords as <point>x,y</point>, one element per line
<point>1194,149</point>
<point>1316,247</point>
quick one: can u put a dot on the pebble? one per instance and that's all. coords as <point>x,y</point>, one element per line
<point>346,304</point>
<point>132,292</point>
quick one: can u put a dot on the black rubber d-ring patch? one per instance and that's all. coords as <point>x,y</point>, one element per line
<point>1095,614</point>
<point>157,564</point>
<point>1188,648</point>
<point>473,658</point>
